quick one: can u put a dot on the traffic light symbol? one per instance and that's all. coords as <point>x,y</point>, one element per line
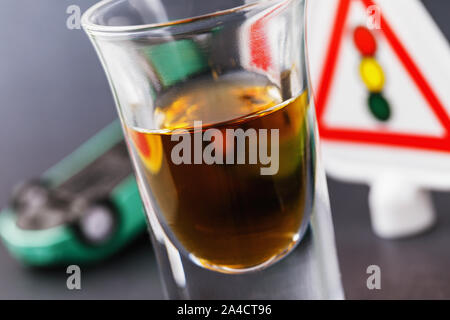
<point>371,73</point>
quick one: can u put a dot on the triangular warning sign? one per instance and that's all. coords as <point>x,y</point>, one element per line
<point>430,109</point>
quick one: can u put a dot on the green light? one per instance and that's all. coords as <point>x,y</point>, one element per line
<point>379,107</point>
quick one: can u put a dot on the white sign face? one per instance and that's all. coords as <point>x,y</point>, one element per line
<point>380,72</point>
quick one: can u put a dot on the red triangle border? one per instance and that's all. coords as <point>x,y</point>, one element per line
<point>371,137</point>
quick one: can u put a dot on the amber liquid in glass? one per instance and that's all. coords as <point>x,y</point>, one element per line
<point>228,216</point>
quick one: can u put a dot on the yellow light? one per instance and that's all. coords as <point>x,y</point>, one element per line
<point>372,74</point>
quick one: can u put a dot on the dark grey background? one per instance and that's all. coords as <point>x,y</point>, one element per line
<point>54,96</point>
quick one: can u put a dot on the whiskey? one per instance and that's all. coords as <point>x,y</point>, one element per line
<point>228,217</point>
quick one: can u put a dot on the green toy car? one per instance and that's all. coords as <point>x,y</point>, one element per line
<point>87,207</point>
<point>82,210</point>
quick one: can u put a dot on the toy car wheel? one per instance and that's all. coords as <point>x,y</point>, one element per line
<point>98,224</point>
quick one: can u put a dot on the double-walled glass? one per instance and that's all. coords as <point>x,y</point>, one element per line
<point>214,103</point>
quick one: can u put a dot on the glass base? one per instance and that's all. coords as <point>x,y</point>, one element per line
<point>295,241</point>
<point>309,271</point>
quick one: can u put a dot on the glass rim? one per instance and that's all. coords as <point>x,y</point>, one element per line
<point>95,28</point>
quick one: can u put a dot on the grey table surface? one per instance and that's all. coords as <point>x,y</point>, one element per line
<point>54,96</point>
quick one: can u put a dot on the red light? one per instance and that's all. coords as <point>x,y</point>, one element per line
<point>365,41</point>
